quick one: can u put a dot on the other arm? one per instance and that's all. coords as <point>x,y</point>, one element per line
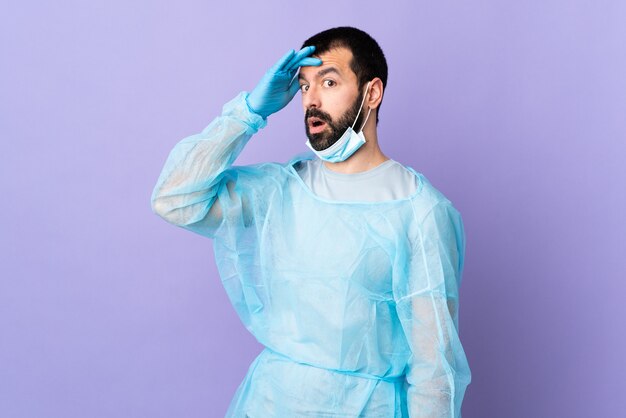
<point>437,372</point>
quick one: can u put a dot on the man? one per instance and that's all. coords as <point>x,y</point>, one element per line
<point>344,264</point>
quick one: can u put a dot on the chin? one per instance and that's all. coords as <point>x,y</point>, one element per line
<point>321,140</point>
<point>320,144</point>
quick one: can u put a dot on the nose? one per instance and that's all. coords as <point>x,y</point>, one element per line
<point>310,98</point>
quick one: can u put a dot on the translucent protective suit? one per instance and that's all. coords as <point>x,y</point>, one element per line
<point>356,303</point>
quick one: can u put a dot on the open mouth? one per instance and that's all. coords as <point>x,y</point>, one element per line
<point>316,125</point>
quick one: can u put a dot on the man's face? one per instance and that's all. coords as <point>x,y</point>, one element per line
<point>330,97</point>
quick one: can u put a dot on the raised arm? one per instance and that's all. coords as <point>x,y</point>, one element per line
<point>194,174</point>
<point>188,185</point>
<point>427,304</point>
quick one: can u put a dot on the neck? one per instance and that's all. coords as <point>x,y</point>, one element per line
<point>365,158</point>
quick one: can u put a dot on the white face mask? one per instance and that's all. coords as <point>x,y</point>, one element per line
<point>349,142</point>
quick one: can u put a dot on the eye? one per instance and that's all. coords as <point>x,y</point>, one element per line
<point>329,83</point>
<point>304,87</point>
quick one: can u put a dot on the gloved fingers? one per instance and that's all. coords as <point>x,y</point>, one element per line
<point>310,61</point>
<point>280,64</point>
<point>293,88</point>
<point>303,53</point>
<point>304,62</point>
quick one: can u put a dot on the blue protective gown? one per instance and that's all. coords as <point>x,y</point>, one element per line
<point>355,302</point>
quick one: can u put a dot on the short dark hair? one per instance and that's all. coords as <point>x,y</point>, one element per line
<point>368,60</point>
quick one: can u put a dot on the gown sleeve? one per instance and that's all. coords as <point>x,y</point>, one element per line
<point>427,300</point>
<point>195,183</point>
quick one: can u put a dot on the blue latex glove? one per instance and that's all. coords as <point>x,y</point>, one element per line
<point>277,87</point>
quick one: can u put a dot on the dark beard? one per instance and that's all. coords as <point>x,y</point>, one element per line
<point>326,138</point>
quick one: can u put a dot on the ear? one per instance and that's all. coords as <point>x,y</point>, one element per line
<point>375,93</point>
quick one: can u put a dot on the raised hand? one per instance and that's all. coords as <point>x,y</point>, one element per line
<point>277,87</point>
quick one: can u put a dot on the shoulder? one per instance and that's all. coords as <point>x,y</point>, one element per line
<point>269,173</point>
<point>403,174</point>
<point>429,199</point>
<point>303,161</point>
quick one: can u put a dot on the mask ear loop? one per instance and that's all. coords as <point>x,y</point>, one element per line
<point>366,117</point>
<point>361,107</point>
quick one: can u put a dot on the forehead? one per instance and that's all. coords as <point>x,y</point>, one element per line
<point>338,58</point>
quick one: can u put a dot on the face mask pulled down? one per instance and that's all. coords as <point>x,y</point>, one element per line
<point>348,143</point>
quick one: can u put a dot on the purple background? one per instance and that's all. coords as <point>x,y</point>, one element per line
<point>515,110</point>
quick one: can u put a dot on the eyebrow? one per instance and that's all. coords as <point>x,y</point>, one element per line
<point>321,73</point>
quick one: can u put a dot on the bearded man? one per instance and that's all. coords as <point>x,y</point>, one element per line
<point>345,264</point>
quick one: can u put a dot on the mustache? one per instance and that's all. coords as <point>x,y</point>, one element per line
<point>314,112</point>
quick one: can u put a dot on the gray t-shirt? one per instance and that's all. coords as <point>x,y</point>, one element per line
<point>387,181</point>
